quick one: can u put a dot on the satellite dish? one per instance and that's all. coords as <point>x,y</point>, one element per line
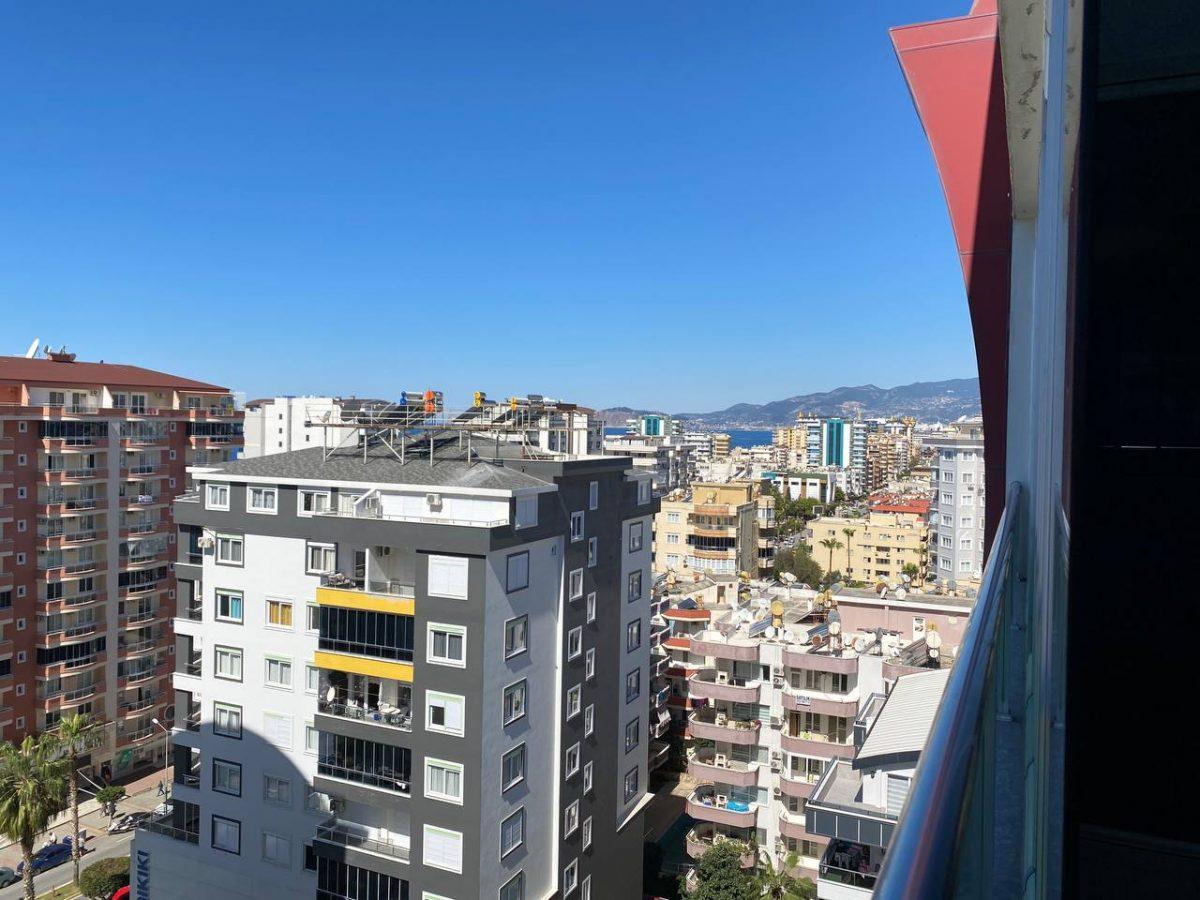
<point>860,644</point>
<point>901,593</point>
<point>835,627</point>
<point>933,640</point>
<point>933,653</point>
<point>906,579</point>
<point>777,608</point>
<point>33,347</point>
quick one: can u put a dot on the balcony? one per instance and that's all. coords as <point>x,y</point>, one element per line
<point>181,822</point>
<point>76,475</point>
<point>136,706</point>
<point>718,684</point>
<point>706,764</point>
<point>708,804</point>
<point>820,662</point>
<point>713,725</point>
<point>814,743</point>
<point>817,702</point>
<point>342,833</point>
<point>715,644</point>
<point>797,783</point>
<point>659,753</point>
<point>701,839</point>
<point>793,825</point>
<point>70,601</point>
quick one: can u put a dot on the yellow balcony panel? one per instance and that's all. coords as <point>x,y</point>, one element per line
<point>366,600</point>
<point>362,665</point>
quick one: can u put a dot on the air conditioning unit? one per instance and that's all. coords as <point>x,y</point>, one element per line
<point>434,501</point>
<point>722,800</point>
<point>720,760</point>
<point>778,681</point>
<point>776,721</point>
<point>778,792</point>
<point>722,677</point>
<point>383,551</point>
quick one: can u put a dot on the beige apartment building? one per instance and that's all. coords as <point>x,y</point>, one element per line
<point>880,546</point>
<point>713,529</point>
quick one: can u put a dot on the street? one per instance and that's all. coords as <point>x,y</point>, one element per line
<point>98,848</point>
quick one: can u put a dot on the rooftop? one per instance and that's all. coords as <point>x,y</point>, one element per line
<point>904,722</point>
<point>55,371</point>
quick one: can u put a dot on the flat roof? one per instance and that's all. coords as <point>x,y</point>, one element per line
<point>903,725</point>
<point>50,371</point>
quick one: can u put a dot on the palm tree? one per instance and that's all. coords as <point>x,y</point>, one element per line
<point>779,884</point>
<point>32,792</point>
<point>75,733</point>
<point>849,533</point>
<point>830,543</point>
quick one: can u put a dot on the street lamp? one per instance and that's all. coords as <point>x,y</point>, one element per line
<point>166,741</point>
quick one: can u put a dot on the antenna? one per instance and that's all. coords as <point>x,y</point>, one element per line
<point>31,353</point>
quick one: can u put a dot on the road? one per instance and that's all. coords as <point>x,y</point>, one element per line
<point>99,847</point>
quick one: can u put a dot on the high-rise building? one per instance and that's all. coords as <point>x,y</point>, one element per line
<point>91,457</point>
<point>877,547</point>
<point>713,528</point>
<point>957,504</point>
<point>418,665</point>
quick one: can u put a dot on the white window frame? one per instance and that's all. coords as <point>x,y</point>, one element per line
<point>451,564</point>
<point>432,657</point>
<point>239,540</point>
<point>589,719</point>
<point>521,842</point>
<point>574,701</point>
<point>282,840</point>
<point>571,818</point>
<point>590,615</point>
<point>282,601</point>
<point>572,759</point>
<point>593,551</point>
<point>301,493</point>
<point>232,708</point>
<point>444,832</point>
<point>208,496</point>
<point>587,840</point>
<point>222,592</point>
<point>447,701</point>
<point>281,661</point>
<point>593,495</point>
<point>589,777</point>
<point>575,642</point>
<point>578,525</point>
<point>589,664</point>
<point>273,492</point>
<point>570,877</point>
<point>447,766</point>
<point>524,685</point>
<point>575,584</point>
<point>232,653</point>
<point>637,530</point>
<point>521,583</point>
<point>309,547</point>
<point>283,785</point>
<point>236,830</point>
<point>504,786</point>
<point>524,648</point>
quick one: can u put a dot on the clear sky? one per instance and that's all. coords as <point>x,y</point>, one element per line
<point>671,205</point>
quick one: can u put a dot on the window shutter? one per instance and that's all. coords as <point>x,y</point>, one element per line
<point>443,849</point>
<point>448,577</point>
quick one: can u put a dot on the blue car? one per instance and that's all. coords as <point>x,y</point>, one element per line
<point>48,857</point>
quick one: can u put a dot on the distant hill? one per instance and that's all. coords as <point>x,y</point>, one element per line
<point>928,401</point>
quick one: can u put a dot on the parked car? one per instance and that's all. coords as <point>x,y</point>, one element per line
<point>48,857</point>
<point>8,876</point>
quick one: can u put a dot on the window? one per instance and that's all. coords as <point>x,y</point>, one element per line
<point>570,818</point>
<point>446,645</point>
<point>589,664</point>
<point>515,632</point>
<point>631,784</point>
<point>227,720</point>
<point>443,848</point>
<point>947,520</point>
<point>277,790</point>
<point>947,497</point>
<point>592,551</point>
<point>229,663</point>
<point>226,834</point>
<point>229,606</point>
<point>515,889</point>
<point>444,712</point>
<point>591,607</point>
<point>635,586</point>
<point>587,842</point>
<point>517,575</point>
<point>947,476</point>
<point>312,740</point>
<point>448,577</point>
<point>527,511</point>
<point>512,767</point>
<point>585,890</point>
<point>967,521</point>
<point>443,780</point>
<point>964,565</point>
<point>589,720</point>
<point>593,495</point>
<point>633,635</point>
<point>574,642</point>
<point>965,544</point>
<point>635,537</point>
<point>673,518</point>
<point>947,541</point>
<point>227,777</point>
<point>571,761</point>
<point>279,613</point>
<point>312,620</point>
<point>631,734</point>
<point>672,538</point>
<point>576,526</point>
<point>278,672</point>
<point>229,549</point>
<point>217,496</point>
<point>261,500</point>
<point>918,627</point>
<point>310,503</point>
<point>512,832</point>
<point>633,685</point>
<point>277,729</point>
<point>571,877</point>
<point>574,698</point>
<point>644,491</point>
<point>277,849</point>
<point>588,773</point>
<point>320,559</point>
<point>576,584</point>
<point>514,702</point>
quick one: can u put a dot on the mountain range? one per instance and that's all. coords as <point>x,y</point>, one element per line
<point>927,401</point>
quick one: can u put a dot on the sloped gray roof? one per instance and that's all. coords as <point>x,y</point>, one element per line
<point>903,724</point>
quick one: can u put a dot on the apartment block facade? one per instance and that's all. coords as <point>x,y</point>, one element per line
<point>428,677</point>
<point>875,547</point>
<point>957,504</point>
<point>91,457</point>
<point>715,528</point>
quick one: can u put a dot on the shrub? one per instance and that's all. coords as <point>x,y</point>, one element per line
<point>102,879</point>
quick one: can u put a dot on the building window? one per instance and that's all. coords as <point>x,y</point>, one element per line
<point>633,635</point>
<point>517,575</point>
<point>591,607</point>
<point>443,848</point>
<point>227,777</point>
<point>633,685</point>
<point>311,503</point>
<point>514,889</point>
<point>571,877</point>
<point>631,734</point>
<point>593,551</point>
<point>571,761</point>
<point>593,495</point>
<point>229,606</point>
<point>217,496</point>
<point>445,712</point>
<point>527,511</point>
<point>229,550</point>
<point>588,774</point>
<point>515,636</point>
<point>277,729</point>
<point>631,784</point>
<point>589,664</point>
<point>589,720</point>
<point>673,518</point>
<point>227,720</point>
<point>320,559</point>
<point>312,679</point>
<point>448,577</point>
<point>575,642</point>
<point>226,835</point>
<point>574,700</point>
<point>277,790</point>
<point>672,538</point>
<point>576,584</point>
<point>587,842</point>
<point>312,740</point>
<point>514,702</point>
<point>446,645</point>
<point>261,500</point>
<point>512,832</point>
<point>228,663</point>
<point>312,620</point>
<point>570,818</point>
<point>635,537</point>
<point>277,849</point>
<point>279,613</point>
<point>576,526</point>
<point>635,586</point>
<point>512,768</point>
<point>444,780</point>
<point>278,672</point>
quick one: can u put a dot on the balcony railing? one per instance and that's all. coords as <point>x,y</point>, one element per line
<point>351,834</point>
<point>942,839</point>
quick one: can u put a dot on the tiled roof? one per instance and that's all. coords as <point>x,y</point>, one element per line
<point>49,371</point>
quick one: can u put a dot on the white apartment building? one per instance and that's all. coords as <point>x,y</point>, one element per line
<point>283,424</point>
<point>956,544</point>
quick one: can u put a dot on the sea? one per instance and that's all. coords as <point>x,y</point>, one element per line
<point>738,437</point>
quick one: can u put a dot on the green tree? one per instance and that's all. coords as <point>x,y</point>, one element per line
<point>102,879</point>
<point>33,790</point>
<point>720,876</point>
<point>75,733</point>
<point>779,884</point>
<point>830,544</point>
<point>911,570</point>
<point>108,797</point>
<point>849,533</point>
<point>800,563</point>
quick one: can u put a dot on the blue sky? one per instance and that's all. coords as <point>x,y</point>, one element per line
<point>672,205</point>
